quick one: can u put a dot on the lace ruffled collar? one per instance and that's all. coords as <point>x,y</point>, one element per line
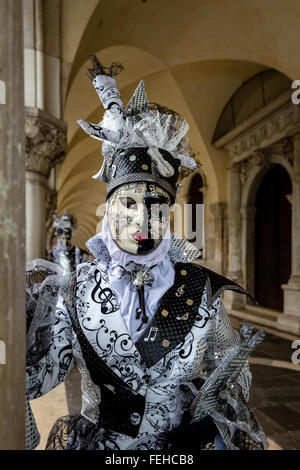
<point>180,250</point>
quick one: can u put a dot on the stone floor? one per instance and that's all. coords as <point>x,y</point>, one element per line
<point>275,392</point>
<point>275,396</point>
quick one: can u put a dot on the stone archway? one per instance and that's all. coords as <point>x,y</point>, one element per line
<point>254,173</point>
<point>253,148</point>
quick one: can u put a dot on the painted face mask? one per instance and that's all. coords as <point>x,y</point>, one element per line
<point>63,227</point>
<point>138,217</point>
<point>65,236</point>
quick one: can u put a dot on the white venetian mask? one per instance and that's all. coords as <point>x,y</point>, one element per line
<point>138,216</point>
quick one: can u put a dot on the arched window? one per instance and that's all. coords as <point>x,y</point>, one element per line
<point>250,97</point>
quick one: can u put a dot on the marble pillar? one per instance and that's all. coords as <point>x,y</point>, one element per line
<point>42,55</point>
<point>12,229</point>
<point>295,276</point>
<point>36,193</point>
<point>248,248</point>
<point>45,147</point>
<point>218,211</point>
<point>234,300</point>
<point>290,319</point>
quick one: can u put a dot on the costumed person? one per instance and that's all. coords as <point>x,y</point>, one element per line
<point>161,366</point>
<point>64,253</point>
<point>42,283</point>
<point>67,257</point>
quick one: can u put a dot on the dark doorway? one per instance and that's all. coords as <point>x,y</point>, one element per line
<point>272,237</point>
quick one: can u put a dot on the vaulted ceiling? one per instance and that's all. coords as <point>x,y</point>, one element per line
<point>192,54</point>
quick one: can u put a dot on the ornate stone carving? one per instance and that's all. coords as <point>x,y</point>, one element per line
<point>46,141</point>
<point>245,168</point>
<point>284,122</point>
<point>284,148</point>
<point>258,158</point>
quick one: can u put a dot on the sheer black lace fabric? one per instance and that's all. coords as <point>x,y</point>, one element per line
<point>237,423</point>
<point>74,432</point>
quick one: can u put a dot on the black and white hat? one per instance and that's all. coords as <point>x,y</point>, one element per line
<point>142,142</point>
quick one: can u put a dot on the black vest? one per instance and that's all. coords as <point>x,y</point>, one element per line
<point>120,409</point>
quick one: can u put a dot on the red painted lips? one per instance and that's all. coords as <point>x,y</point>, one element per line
<point>139,236</point>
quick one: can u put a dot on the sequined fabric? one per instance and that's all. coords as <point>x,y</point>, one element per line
<point>228,379</point>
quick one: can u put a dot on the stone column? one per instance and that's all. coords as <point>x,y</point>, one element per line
<point>36,190</point>
<point>290,320</point>
<point>45,146</point>
<point>218,210</point>
<point>248,247</point>
<point>295,276</point>
<point>12,229</point>
<point>42,51</point>
<point>233,299</point>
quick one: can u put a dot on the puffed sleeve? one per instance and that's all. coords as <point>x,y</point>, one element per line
<point>49,330</point>
<point>50,369</point>
<point>227,405</point>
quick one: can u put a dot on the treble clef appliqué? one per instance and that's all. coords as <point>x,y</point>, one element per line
<point>103,295</point>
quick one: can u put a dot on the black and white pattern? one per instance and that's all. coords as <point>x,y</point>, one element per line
<point>166,386</point>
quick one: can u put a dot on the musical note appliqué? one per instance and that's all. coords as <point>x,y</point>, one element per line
<point>104,296</point>
<point>152,334</point>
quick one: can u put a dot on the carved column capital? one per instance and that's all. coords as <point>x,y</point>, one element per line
<point>260,157</point>
<point>285,148</point>
<point>46,141</point>
<point>234,167</point>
